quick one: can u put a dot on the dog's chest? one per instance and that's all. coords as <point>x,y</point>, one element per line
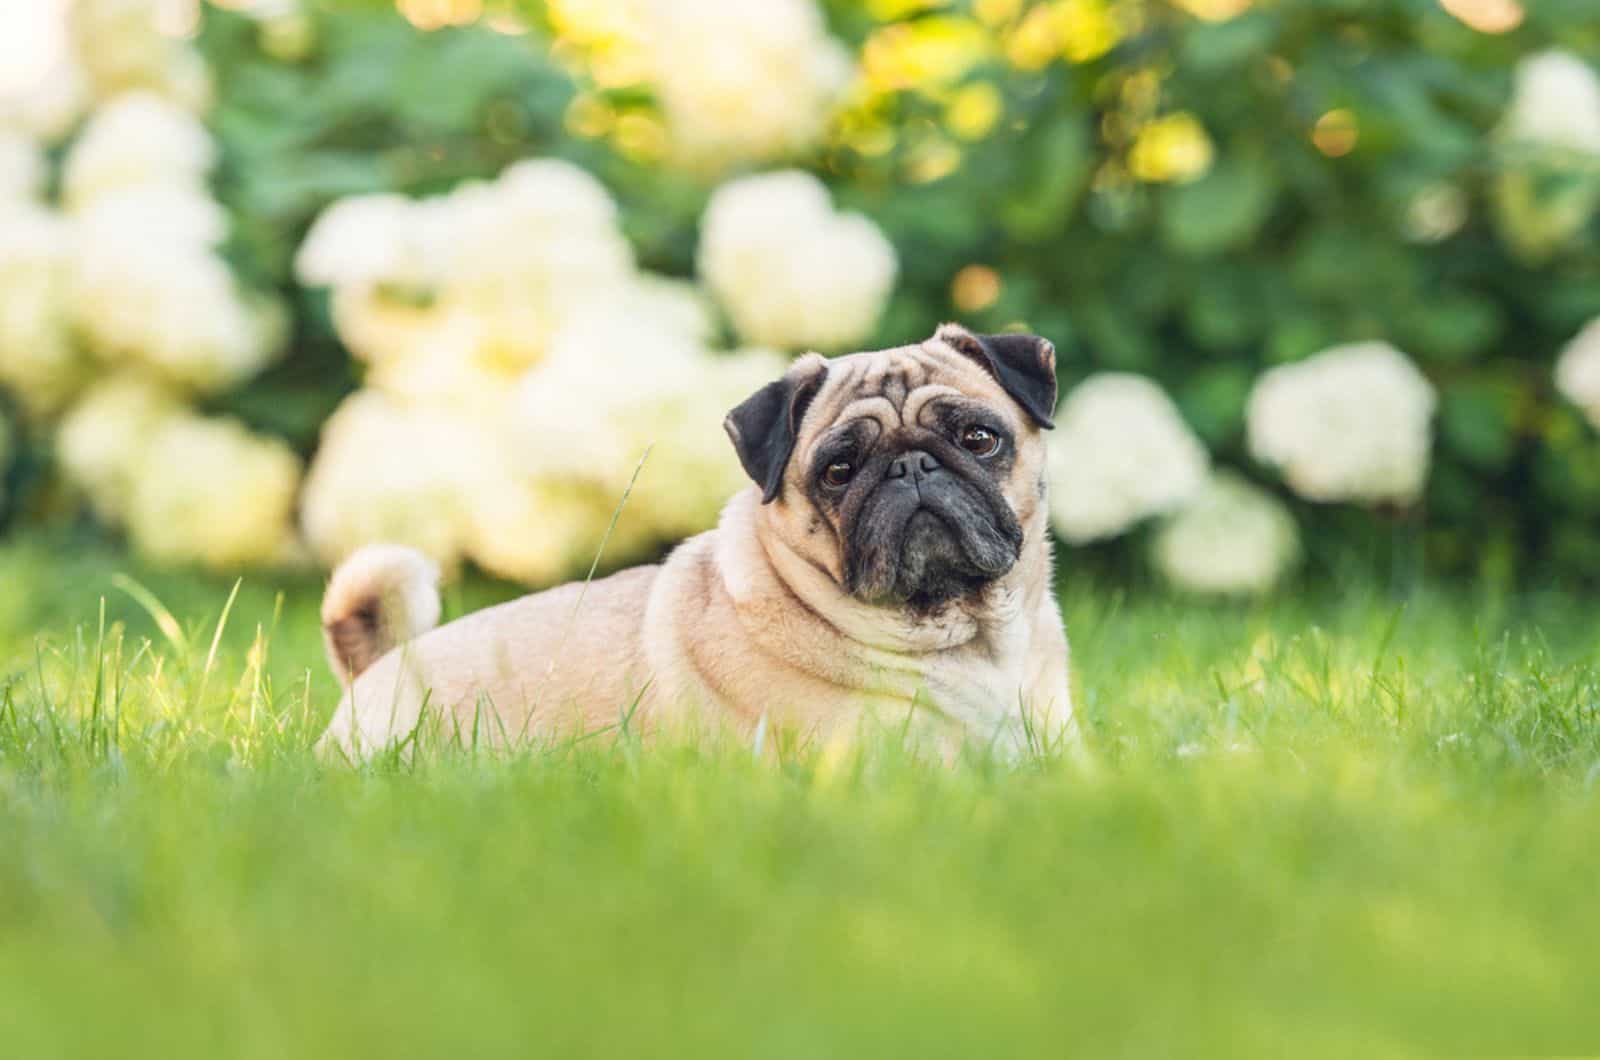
<point>983,692</point>
<point>978,686</point>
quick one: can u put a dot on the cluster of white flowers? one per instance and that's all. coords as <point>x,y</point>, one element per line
<point>745,79</point>
<point>138,45</point>
<point>70,53</point>
<point>43,86</point>
<point>39,361</point>
<point>1555,104</point>
<point>189,488</point>
<point>736,80</point>
<point>1120,454</point>
<point>148,285</point>
<point>122,281</point>
<point>1578,371</point>
<point>1231,539</point>
<point>466,290</point>
<point>1353,423</point>
<point>1544,192</point>
<point>790,271</point>
<point>519,366</point>
<point>137,140</point>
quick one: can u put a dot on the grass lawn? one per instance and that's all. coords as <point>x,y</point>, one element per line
<point>1336,824</point>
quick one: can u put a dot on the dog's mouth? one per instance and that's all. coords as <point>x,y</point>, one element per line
<point>920,547</point>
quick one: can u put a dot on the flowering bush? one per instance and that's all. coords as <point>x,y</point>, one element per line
<point>122,280</point>
<point>470,274</point>
<point>520,367</point>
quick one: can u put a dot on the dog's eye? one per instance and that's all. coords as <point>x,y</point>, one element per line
<point>838,473</point>
<point>980,441</point>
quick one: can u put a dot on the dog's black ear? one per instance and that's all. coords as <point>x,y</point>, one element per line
<point>1024,365</point>
<point>765,425</point>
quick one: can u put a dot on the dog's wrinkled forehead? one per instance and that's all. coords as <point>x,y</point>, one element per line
<point>1012,375</point>
<point>894,386</point>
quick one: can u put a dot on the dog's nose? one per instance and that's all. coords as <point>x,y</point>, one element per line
<point>917,463</point>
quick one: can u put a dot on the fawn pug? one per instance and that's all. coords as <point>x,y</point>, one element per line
<point>890,559</point>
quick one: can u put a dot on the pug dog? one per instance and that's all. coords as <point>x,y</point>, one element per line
<point>889,561</point>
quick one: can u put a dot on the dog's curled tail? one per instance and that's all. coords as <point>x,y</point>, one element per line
<point>381,596</point>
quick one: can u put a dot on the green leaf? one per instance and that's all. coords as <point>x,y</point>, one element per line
<point>1054,175</point>
<point>1219,47</point>
<point>1224,312</point>
<point>1477,422</point>
<point>1213,401</point>
<point>1113,337</point>
<point>1220,211</point>
<point>1452,326</point>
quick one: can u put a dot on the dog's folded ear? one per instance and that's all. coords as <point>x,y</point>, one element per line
<point>764,426</point>
<point>1023,365</point>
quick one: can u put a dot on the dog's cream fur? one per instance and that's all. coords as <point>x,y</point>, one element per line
<point>746,621</point>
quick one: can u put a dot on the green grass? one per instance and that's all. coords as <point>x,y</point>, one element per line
<point>1337,824</point>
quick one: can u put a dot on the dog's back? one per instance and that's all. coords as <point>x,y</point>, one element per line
<point>495,676</point>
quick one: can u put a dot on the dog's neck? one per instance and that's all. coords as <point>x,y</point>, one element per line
<point>751,556</point>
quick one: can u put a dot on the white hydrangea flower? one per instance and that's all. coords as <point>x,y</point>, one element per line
<point>791,273</point>
<point>540,532</point>
<point>1231,539</point>
<point>1555,103</point>
<point>1578,371</point>
<point>101,443</point>
<point>1121,452</point>
<point>171,213</point>
<point>567,412</point>
<point>377,327</point>
<point>1353,423</point>
<point>549,194</point>
<point>388,472</point>
<point>491,271</point>
<point>49,106</point>
<point>543,237</point>
<point>459,360</point>
<point>207,490</point>
<point>134,139</point>
<point>678,307</point>
<point>692,469</point>
<point>39,360</point>
<point>439,481</point>
<point>366,240</point>
<point>173,307</point>
<point>132,45</point>
<point>22,169</point>
<point>615,389</point>
<point>764,89</point>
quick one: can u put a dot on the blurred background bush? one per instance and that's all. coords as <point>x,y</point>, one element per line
<point>278,277</point>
